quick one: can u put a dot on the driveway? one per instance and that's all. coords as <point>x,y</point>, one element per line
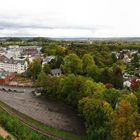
<point>52,113</point>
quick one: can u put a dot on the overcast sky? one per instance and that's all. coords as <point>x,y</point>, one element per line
<point>70,18</point>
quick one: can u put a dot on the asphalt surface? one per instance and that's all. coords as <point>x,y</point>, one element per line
<point>18,89</point>
<point>52,113</point>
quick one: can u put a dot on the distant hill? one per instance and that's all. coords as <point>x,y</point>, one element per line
<point>75,38</point>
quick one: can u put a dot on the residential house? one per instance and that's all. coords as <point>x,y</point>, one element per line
<point>55,72</point>
<point>6,77</point>
<point>48,59</point>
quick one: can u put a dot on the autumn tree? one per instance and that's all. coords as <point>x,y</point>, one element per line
<point>97,114</point>
<point>132,99</point>
<point>123,124</point>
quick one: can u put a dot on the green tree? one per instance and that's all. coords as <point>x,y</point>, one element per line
<point>106,76</point>
<point>88,88</point>
<point>87,62</point>
<point>72,89</point>
<point>42,79</point>
<point>112,96</point>
<point>46,68</point>
<point>135,61</point>
<point>60,50</point>
<point>34,68</point>
<point>114,58</point>
<point>14,39</point>
<point>117,78</point>
<point>94,72</point>
<point>68,84</point>
<point>72,64</point>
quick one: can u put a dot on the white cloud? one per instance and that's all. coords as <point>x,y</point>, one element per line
<point>70,18</point>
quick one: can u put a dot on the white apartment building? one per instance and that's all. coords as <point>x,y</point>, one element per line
<point>12,65</point>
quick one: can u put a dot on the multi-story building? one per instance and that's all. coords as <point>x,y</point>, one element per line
<point>11,65</point>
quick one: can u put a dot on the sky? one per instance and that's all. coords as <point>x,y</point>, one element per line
<point>70,18</point>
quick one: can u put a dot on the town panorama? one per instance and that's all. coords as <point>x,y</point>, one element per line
<point>69,88</point>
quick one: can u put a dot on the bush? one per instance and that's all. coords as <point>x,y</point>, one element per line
<point>17,129</point>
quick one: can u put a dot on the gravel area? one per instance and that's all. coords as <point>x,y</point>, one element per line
<point>52,113</point>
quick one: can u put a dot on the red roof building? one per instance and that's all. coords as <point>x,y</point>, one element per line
<point>6,77</point>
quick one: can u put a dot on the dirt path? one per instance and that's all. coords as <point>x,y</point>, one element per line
<point>50,112</point>
<point>5,134</point>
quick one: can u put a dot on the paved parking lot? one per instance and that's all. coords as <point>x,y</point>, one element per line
<point>50,112</point>
<point>18,89</point>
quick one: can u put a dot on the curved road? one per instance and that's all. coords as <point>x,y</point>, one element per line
<point>52,113</point>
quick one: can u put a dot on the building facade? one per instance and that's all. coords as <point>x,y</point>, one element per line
<point>11,65</point>
<point>6,77</point>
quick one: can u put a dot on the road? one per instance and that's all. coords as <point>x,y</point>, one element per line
<point>19,89</point>
<point>52,113</point>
